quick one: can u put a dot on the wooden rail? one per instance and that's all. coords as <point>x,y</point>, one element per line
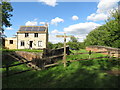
<point>54,64</point>
<point>88,59</point>
<point>8,66</point>
<point>16,64</point>
<point>88,53</point>
<point>7,75</point>
<point>46,66</point>
<point>50,57</point>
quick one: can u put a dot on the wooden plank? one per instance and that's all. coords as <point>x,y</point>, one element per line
<point>88,59</point>
<point>49,65</point>
<point>14,57</point>
<point>64,57</point>
<point>50,57</point>
<point>59,35</point>
<point>17,64</point>
<point>64,36</point>
<point>17,73</point>
<point>88,53</point>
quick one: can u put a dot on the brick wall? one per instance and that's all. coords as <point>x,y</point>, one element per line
<point>112,51</point>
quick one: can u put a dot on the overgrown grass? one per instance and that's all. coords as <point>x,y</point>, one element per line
<point>82,74</point>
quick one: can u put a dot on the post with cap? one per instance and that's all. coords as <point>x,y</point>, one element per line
<point>64,57</point>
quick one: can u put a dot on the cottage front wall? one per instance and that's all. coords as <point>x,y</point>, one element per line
<point>41,37</point>
<point>11,46</point>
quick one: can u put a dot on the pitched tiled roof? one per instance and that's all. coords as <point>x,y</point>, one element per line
<point>32,28</point>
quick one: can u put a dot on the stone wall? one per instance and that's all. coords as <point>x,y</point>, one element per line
<point>111,51</point>
<point>38,59</point>
<point>29,55</point>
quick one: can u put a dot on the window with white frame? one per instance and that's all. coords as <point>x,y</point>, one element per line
<point>39,43</point>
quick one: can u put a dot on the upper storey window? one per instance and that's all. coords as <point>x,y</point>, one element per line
<point>35,34</point>
<point>26,34</point>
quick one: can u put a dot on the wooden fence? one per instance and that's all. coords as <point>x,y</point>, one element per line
<point>49,57</point>
<point>9,66</point>
<point>53,64</point>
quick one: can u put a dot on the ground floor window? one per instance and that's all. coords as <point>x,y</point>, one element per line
<point>39,43</point>
<point>22,43</point>
<point>11,41</point>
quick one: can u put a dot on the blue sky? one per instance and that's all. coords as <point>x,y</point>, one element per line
<point>74,18</point>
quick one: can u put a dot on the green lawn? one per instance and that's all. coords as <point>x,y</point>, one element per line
<point>27,50</point>
<point>82,74</point>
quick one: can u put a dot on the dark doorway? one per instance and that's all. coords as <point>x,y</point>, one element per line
<point>31,44</point>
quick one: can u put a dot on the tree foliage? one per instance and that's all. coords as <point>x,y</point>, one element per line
<point>73,39</point>
<point>55,46</point>
<point>58,45</point>
<point>6,13</point>
<point>73,43</point>
<point>50,45</point>
<point>107,34</point>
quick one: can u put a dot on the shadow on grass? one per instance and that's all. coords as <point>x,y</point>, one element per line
<point>83,74</point>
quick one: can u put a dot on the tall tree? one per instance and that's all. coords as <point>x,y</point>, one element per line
<point>73,39</point>
<point>6,13</point>
<point>107,34</point>
<point>73,43</point>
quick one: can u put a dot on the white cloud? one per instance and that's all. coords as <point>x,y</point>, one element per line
<point>31,23</point>
<point>35,19</point>
<point>75,17</point>
<point>9,28</point>
<point>54,39</point>
<point>56,20</point>
<point>56,32</point>
<point>104,7</point>
<point>81,37</point>
<point>49,2</point>
<point>97,17</point>
<point>42,23</point>
<point>81,28</point>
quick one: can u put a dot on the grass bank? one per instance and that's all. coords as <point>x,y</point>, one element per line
<point>82,74</point>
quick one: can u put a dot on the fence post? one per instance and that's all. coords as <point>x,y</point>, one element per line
<point>113,54</point>
<point>109,54</point>
<point>90,53</point>
<point>7,70</point>
<point>64,57</point>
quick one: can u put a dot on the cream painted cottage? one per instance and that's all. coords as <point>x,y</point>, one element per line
<point>29,37</point>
